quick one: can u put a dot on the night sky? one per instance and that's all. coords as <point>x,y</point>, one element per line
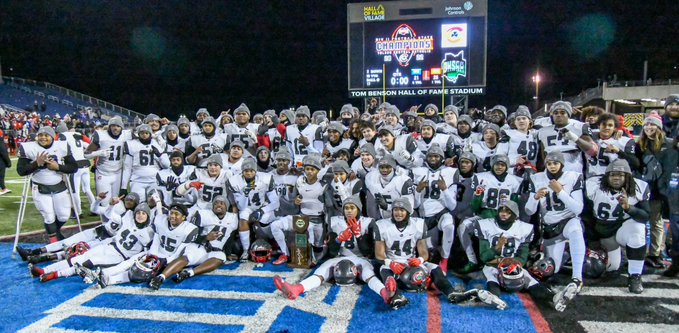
<point>172,57</point>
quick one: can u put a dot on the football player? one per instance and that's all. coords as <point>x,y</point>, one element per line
<point>234,158</point>
<point>436,197</point>
<point>611,148</point>
<point>450,114</point>
<point>398,239</point>
<point>184,134</point>
<point>108,146</point>
<point>568,136</point>
<point>488,147</point>
<point>303,138</point>
<point>558,195</point>
<point>392,117</point>
<point>490,189</point>
<point>255,195</point>
<point>173,142</point>
<point>265,162</point>
<point>503,247</point>
<point>336,141</point>
<point>402,148</point>
<point>368,161</point>
<point>340,187</point>
<point>617,203</point>
<point>242,129</point>
<point>207,183</point>
<point>350,239</point>
<point>46,161</point>
<point>142,162</point>
<point>522,144</point>
<point>385,185</point>
<point>285,179</point>
<point>167,180</point>
<point>132,237</point>
<point>310,191</point>
<point>465,193</point>
<point>81,178</point>
<point>197,126</point>
<point>430,137</point>
<point>205,144</point>
<point>207,252</point>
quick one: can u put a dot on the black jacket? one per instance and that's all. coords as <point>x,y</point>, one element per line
<point>5,162</point>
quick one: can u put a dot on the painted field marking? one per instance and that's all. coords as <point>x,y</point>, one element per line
<point>623,292</point>
<point>618,327</point>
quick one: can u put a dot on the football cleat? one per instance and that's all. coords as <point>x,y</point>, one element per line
<point>181,276</point>
<point>489,298</point>
<point>563,297</point>
<point>35,270</point>
<point>156,282</point>
<point>291,291</point>
<point>459,297</point>
<point>88,275</point>
<point>38,258</point>
<point>23,253</point>
<point>101,280</point>
<point>48,276</point>
<point>398,302</point>
<point>578,282</point>
<point>283,259</point>
<point>634,284</point>
<point>243,257</point>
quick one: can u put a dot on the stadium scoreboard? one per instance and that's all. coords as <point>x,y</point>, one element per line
<point>417,48</point>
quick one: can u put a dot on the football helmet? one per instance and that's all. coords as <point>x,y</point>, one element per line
<point>144,268</point>
<point>345,272</point>
<point>77,249</point>
<point>543,268</point>
<point>595,263</point>
<point>414,278</point>
<point>260,251</point>
<point>511,277</point>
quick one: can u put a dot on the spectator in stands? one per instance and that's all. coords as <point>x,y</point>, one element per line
<point>671,116</point>
<point>656,153</point>
<point>5,163</point>
<point>43,106</point>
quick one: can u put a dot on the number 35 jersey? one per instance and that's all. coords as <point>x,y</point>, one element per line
<point>400,244</point>
<point>518,233</point>
<point>606,208</point>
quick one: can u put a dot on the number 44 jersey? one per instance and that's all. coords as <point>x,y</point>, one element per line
<point>401,244</point>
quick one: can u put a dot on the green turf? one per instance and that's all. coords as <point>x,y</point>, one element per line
<point>10,202</point>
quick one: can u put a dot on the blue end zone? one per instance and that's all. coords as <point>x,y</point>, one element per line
<point>332,295</point>
<point>188,304</point>
<point>138,325</point>
<point>26,299</point>
<point>293,320</point>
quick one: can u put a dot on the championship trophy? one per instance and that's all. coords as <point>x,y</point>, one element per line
<point>301,249</point>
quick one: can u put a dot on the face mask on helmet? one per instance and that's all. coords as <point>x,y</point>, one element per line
<point>144,268</point>
<point>260,251</point>
<point>596,262</point>
<point>414,279</point>
<point>345,273</point>
<point>511,276</point>
<point>77,249</point>
<point>543,268</point>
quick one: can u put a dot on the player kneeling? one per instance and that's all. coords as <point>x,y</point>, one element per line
<point>503,245</point>
<point>348,237</point>
<point>397,242</point>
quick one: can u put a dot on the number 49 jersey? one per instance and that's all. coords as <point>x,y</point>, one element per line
<point>520,232</point>
<point>606,208</point>
<point>400,244</point>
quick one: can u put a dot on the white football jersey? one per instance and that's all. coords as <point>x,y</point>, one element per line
<point>78,146</point>
<point>606,208</point>
<point>360,169</point>
<point>254,194</point>
<point>552,209</point>
<point>130,239</point>
<point>401,245</point>
<point>167,181</point>
<point>57,151</point>
<point>432,199</point>
<point>312,132</point>
<point>216,144</point>
<point>521,144</point>
<point>401,143</point>
<point>347,144</point>
<point>484,154</point>
<point>208,221</point>
<point>350,247</point>
<point>552,140</point>
<point>312,197</point>
<point>596,166</point>
<point>167,241</point>
<point>114,162</point>
<point>519,233</point>
<point>212,186</point>
<point>235,132</point>
<point>444,141</point>
<point>179,144</point>
<point>398,186</point>
<point>276,141</point>
<point>495,189</point>
<point>145,160</point>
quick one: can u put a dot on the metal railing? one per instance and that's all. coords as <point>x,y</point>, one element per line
<point>104,105</point>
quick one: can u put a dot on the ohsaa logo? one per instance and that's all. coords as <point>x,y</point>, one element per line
<point>454,66</point>
<point>453,35</point>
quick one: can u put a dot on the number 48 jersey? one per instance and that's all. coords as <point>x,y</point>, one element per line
<point>520,232</point>
<point>400,244</point>
<point>521,144</point>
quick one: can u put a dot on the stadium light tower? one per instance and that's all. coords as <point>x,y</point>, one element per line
<point>536,80</point>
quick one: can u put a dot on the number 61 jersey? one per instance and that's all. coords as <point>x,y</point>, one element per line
<point>400,244</point>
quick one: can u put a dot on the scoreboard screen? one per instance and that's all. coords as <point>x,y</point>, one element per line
<point>422,48</point>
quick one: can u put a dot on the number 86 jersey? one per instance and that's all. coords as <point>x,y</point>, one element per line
<point>400,244</point>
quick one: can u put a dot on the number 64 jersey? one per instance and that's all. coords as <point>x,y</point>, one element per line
<point>605,207</point>
<point>400,244</point>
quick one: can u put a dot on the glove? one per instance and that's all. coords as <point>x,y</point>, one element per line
<point>122,193</point>
<point>251,135</point>
<point>275,121</point>
<point>172,183</point>
<point>196,185</point>
<point>355,227</point>
<point>256,216</point>
<point>155,151</point>
<point>568,134</point>
<point>382,202</point>
<point>397,267</point>
<point>345,235</point>
<point>262,129</point>
<point>406,155</point>
<point>479,190</point>
<point>415,262</point>
<point>156,197</point>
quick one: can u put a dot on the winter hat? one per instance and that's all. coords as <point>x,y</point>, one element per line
<point>653,118</point>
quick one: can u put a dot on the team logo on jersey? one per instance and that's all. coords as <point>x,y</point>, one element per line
<point>454,66</point>
<point>404,44</point>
